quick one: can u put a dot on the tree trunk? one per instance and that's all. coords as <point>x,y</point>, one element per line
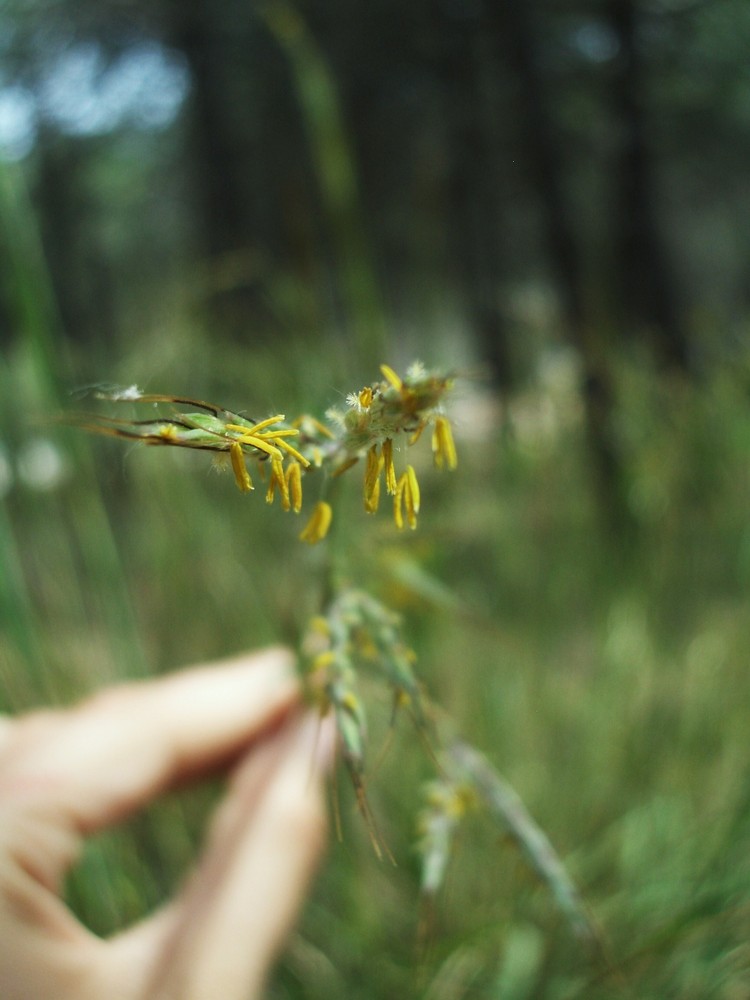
<point>473,211</point>
<point>648,299</point>
<point>514,26</point>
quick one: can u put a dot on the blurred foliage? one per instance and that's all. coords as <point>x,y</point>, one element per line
<point>609,685</point>
<point>450,182</point>
<point>299,168</point>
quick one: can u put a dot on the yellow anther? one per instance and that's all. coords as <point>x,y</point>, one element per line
<point>293,478</point>
<point>291,450</point>
<point>257,442</point>
<point>443,447</point>
<point>392,377</point>
<point>250,435</point>
<point>372,479</point>
<point>372,499</point>
<point>317,527</point>
<point>278,480</point>
<point>241,475</point>
<point>278,432</point>
<point>407,497</point>
<point>266,423</point>
<point>390,471</point>
<point>412,496</point>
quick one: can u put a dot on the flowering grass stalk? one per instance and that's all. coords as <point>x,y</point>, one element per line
<point>356,635</point>
<point>359,635</point>
<point>379,420</point>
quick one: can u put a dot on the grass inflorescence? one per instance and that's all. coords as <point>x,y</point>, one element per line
<point>378,420</point>
<point>355,632</point>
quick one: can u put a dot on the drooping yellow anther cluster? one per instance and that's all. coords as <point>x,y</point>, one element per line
<point>391,408</point>
<point>380,420</point>
<point>377,414</point>
<point>272,442</point>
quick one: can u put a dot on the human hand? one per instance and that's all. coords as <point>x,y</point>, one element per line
<point>65,774</point>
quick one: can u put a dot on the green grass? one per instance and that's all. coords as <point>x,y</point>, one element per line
<point>611,688</point>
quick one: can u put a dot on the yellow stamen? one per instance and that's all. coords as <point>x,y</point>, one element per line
<point>372,499</point>
<point>398,505</point>
<point>270,438</point>
<point>390,471</point>
<point>257,442</point>
<point>317,527</point>
<point>365,397</point>
<point>278,480</point>
<point>290,450</point>
<point>407,496</point>
<point>251,435</point>
<point>241,475</point>
<point>265,423</point>
<point>372,479</point>
<point>443,446</point>
<point>413,494</point>
<point>280,432</point>
<point>294,485</point>
<point>392,377</point>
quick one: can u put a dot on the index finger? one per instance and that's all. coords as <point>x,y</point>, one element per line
<point>88,766</point>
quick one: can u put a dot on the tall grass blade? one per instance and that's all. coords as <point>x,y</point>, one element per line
<point>337,178</point>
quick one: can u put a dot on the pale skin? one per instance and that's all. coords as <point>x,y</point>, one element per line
<point>65,774</point>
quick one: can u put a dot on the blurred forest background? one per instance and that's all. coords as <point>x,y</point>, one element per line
<point>259,202</point>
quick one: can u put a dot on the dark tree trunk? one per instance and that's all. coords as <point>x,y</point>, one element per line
<point>515,29</point>
<point>250,168</point>
<point>195,31</point>
<point>473,193</point>
<point>648,299</point>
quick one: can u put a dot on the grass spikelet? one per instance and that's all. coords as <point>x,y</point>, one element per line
<point>505,806</point>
